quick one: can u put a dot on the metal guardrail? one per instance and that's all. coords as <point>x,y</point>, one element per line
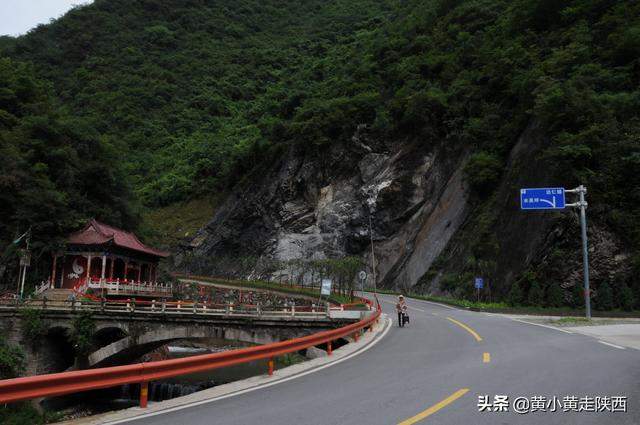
<point>26,388</point>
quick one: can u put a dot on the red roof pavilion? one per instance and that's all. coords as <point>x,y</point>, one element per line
<point>122,256</point>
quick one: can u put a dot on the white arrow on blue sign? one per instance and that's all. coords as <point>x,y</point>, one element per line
<point>479,283</point>
<point>543,198</point>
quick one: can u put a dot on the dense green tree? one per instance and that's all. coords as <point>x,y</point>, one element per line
<point>555,295</point>
<point>604,298</point>
<point>515,296</point>
<point>577,295</point>
<point>626,298</point>
<point>535,297</point>
<point>56,171</point>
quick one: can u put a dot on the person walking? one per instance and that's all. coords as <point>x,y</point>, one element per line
<point>401,308</point>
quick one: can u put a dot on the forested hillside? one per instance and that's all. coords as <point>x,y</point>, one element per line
<point>197,90</point>
<point>190,97</point>
<point>55,170</point>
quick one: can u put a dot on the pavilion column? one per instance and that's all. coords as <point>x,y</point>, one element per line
<point>53,271</point>
<point>139,270</point>
<point>62,272</point>
<point>113,260</point>
<point>153,273</point>
<point>88,267</point>
<point>104,266</point>
<point>126,269</point>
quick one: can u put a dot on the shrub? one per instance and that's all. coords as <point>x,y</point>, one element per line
<point>33,327</point>
<point>84,328</point>
<point>536,294</point>
<point>555,295</point>
<point>626,298</point>
<point>12,361</point>
<point>483,172</point>
<point>604,299</point>
<point>515,296</point>
<point>577,296</point>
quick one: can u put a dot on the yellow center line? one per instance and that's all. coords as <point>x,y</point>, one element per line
<point>433,409</point>
<point>466,328</point>
<point>486,358</point>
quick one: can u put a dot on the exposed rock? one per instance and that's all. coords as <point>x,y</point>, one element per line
<point>313,204</point>
<point>314,353</point>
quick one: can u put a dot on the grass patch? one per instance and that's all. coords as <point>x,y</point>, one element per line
<point>572,321</point>
<point>167,226</point>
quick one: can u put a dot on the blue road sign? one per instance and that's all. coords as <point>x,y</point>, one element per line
<point>479,283</point>
<point>544,198</point>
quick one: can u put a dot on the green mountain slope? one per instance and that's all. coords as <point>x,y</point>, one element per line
<point>197,94</point>
<point>196,89</point>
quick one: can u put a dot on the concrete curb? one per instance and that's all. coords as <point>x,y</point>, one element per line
<point>368,340</point>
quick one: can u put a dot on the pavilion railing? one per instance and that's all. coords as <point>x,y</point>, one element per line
<point>117,286</point>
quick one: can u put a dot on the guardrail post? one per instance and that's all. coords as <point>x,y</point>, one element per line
<point>329,348</point>
<point>195,307</point>
<point>293,309</point>
<point>164,304</point>
<point>153,305</point>
<point>144,394</point>
<point>270,365</point>
<point>259,309</point>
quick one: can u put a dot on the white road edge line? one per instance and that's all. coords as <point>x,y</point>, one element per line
<point>611,345</point>
<point>541,325</point>
<point>257,387</point>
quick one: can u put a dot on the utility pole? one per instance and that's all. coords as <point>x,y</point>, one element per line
<point>25,261</point>
<point>373,257</point>
<point>582,204</point>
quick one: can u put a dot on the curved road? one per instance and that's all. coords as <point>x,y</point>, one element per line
<point>434,370</point>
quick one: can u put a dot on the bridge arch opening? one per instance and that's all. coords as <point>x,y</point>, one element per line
<point>60,354</point>
<point>108,335</point>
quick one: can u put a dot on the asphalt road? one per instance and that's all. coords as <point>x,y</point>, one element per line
<point>434,371</point>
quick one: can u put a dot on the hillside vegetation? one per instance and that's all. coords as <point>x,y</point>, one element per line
<point>182,100</point>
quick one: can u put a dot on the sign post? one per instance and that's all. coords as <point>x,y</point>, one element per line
<point>553,198</point>
<point>479,284</point>
<point>582,204</point>
<point>362,276</point>
<point>325,289</point>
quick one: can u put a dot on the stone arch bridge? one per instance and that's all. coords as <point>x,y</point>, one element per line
<point>121,334</point>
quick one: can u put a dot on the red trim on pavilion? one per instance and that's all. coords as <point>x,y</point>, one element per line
<point>96,233</point>
<point>103,253</point>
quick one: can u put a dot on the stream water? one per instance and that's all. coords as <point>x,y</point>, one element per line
<point>88,403</point>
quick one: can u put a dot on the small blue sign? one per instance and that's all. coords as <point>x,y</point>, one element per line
<point>544,198</point>
<point>479,283</point>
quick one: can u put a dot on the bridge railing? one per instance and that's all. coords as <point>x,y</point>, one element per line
<point>153,307</point>
<point>56,384</point>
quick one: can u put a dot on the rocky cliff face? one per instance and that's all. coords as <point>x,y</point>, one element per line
<point>424,221</point>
